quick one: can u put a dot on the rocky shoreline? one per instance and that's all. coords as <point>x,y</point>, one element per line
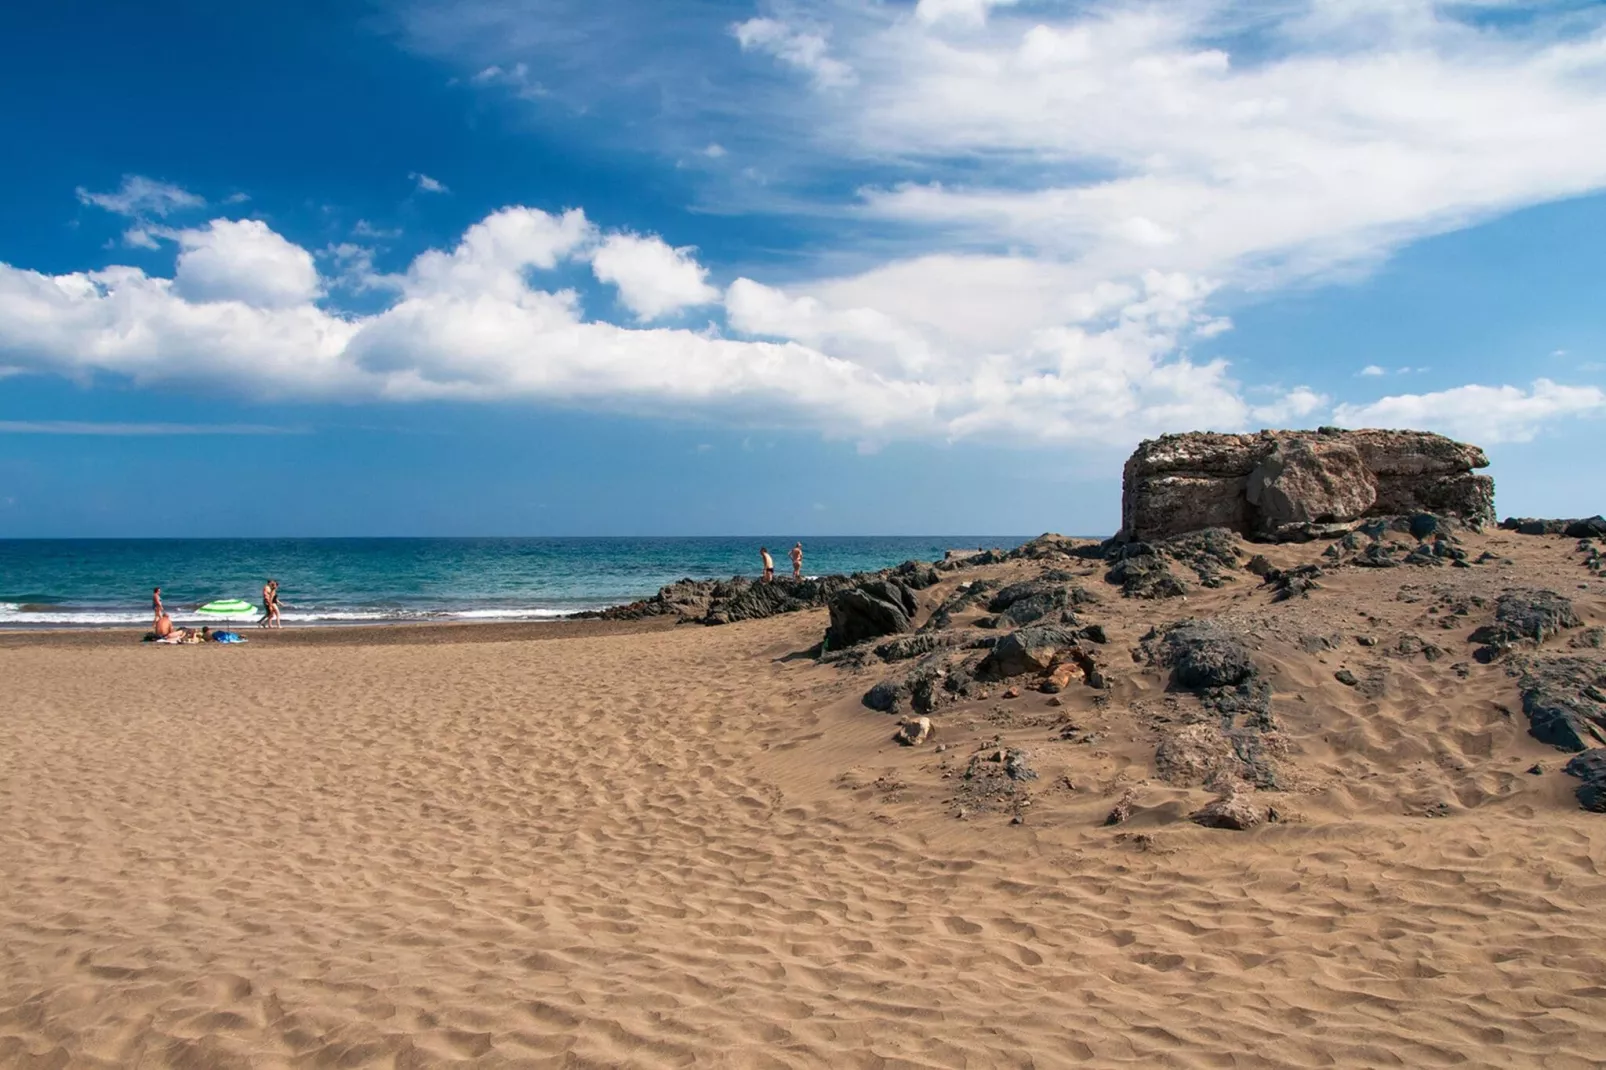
<point>1091,626</point>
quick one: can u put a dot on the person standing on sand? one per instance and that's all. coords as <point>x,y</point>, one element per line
<point>797,561</point>
<point>769,564</point>
<point>156,605</point>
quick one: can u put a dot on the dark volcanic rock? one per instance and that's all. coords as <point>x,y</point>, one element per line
<point>725,601</point>
<point>886,696</point>
<point>1210,553</point>
<point>1525,615</point>
<point>1202,655</point>
<point>1143,573</point>
<point>869,610</point>
<point>913,646</point>
<point>1587,528</point>
<point>1034,600</point>
<point>1556,696</point>
<point>1590,528</point>
<point>1296,582</point>
<point>1590,767</point>
<point>1256,484</point>
<point>916,575</point>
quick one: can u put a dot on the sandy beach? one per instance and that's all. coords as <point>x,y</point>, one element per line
<point>618,845</point>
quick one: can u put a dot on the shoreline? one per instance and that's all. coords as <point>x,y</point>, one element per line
<point>354,633</point>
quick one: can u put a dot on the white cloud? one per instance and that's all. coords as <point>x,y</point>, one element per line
<point>427,184</point>
<point>354,266</point>
<point>969,12</point>
<point>1482,414</point>
<point>1372,370</point>
<point>365,229</point>
<point>714,150</point>
<point>1044,201</point>
<point>653,278</point>
<point>143,198</point>
<point>515,78</point>
<point>1299,403</point>
<point>494,253</point>
<point>243,260</point>
<point>241,312</point>
<point>806,50</point>
<point>140,238</point>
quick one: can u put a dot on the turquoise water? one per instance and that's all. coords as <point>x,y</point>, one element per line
<point>58,582</point>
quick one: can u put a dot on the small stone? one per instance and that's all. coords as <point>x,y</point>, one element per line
<point>1345,677</point>
<point>1366,640</point>
<point>914,731</point>
<point>941,747</point>
<point>1055,700</point>
<point>1017,820</point>
<point>1536,769</point>
<point>1012,692</point>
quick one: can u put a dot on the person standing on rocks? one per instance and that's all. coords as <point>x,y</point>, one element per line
<point>797,561</point>
<point>769,564</point>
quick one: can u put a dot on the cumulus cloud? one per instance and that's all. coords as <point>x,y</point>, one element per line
<point>243,260</point>
<point>427,184</point>
<point>653,278</point>
<point>1484,414</point>
<point>243,311</point>
<point>1373,370</point>
<point>143,198</point>
<point>806,50</point>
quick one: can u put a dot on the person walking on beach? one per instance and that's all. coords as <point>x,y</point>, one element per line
<point>270,606</point>
<point>797,561</point>
<point>156,605</point>
<point>769,564</point>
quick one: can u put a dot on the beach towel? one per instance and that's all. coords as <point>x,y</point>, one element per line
<point>227,637</point>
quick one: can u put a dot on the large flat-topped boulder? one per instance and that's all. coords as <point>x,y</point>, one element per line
<point>1261,483</point>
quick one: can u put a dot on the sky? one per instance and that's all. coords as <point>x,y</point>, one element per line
<point>607,267</point>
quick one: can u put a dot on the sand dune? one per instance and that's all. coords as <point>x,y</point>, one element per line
<point>683,847</point>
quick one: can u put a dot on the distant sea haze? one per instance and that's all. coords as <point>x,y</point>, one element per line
<point>89,582</point>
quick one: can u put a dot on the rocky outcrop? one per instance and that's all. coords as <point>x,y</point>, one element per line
<point>725,601</point>
<point>1524,616</point>
<point>1565,704</point>
<point>1590,767</point>
<point>1591,527</point>
<point>869,610</point>
<point>1275,481</point>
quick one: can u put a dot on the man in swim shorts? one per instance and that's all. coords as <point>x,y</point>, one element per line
<point>769,564</point>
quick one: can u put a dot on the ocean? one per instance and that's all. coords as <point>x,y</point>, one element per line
<point>90,582</point>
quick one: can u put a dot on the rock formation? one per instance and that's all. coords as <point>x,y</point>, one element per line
<point>1268,483</point>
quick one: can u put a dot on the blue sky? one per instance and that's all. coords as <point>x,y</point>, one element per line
<point>553,267</point>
